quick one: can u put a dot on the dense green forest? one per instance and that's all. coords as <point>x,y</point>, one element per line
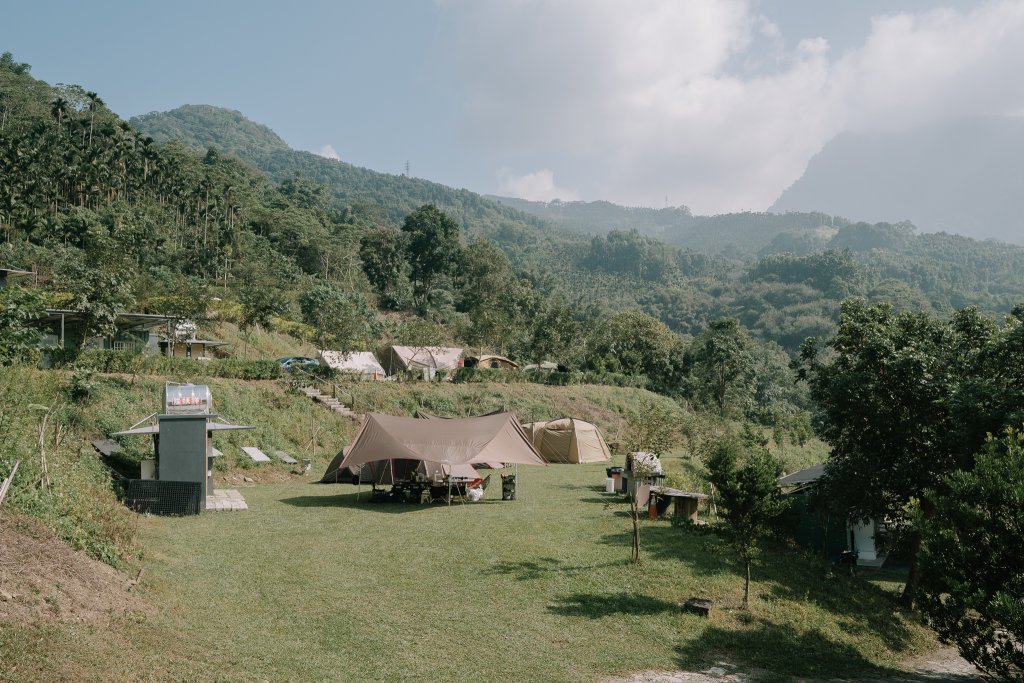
<point>683,269</point>
<point>166,212</point>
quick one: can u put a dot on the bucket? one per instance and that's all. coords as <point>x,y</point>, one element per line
<point>609,485</point>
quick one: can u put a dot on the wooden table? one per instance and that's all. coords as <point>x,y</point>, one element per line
<point>684,503</point>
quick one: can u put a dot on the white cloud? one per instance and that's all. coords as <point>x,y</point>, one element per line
<point>635,101</point>
<point>329,152</point>
<point>538,186</point>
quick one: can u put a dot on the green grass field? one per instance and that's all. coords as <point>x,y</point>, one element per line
<point>311,584</point>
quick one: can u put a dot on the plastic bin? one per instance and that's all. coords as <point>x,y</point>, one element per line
<point>508,487</point>
<point>609,485</point>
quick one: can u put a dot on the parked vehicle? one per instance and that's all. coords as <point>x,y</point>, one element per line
<point>291,362</point>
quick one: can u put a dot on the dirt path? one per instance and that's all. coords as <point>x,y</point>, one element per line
<point>944,665</point>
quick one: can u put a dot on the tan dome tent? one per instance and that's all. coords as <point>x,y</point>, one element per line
<point>568,441</point>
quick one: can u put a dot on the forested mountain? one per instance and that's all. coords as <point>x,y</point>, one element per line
<point>963,177</point>
<point>115,218</point>
<point>369,195</point>
<point>735,234</point>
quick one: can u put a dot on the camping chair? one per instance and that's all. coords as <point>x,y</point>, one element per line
<point>485,482</point>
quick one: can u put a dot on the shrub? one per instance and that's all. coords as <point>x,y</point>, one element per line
<point>128,363</point>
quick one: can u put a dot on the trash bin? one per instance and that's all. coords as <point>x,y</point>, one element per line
<point>609,485</point>
<point>612,471</point>
<point>508,487</point>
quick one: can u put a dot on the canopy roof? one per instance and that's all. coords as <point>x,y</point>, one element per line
<point>437,357</point>
<point>353,361</point>
<point>467,440</point>
<point>155,429</point>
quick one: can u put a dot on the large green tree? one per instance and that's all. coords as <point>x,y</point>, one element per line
<point>972,570</point>
<point>343,320</point>
<point>635,343</point>
<point>382,253</point>
<point>890,392</point>
<point>723,363</point>
<point>432,247</point>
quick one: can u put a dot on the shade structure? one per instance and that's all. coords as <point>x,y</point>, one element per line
<point>386,472</point>
<point>362,363</point>
<point>457,441</point>
<point>568,441</point>
<point>424,415</point>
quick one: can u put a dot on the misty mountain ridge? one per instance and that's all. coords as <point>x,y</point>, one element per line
<point>962,177</point>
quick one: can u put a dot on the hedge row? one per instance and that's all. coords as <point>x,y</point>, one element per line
<point>470,375</point>
<point>121,361</point>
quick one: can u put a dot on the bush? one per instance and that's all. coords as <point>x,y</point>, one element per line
<point>128,363</point>
<point>474,375</point>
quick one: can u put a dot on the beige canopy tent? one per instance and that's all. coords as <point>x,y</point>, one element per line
<point>447,443</point>
<point>430,359</point>
<point>568,441</point>
<point>361,363</point>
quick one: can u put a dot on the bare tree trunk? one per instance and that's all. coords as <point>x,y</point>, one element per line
<point>44,477</point>
<point>746,584</point>
<point>634,513</point>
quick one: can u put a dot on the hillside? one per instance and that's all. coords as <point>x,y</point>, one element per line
<point>735,234</point>
<point>685,270</point>
<point>366,193</point>
<point>961,177</point>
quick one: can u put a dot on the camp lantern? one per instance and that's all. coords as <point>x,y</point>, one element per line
<point>187,399</point>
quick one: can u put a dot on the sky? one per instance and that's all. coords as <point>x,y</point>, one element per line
<point>715,105</point>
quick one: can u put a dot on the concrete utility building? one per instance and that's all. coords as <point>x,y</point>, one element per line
<point>179,480</point>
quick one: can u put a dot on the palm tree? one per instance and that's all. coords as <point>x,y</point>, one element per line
<point>59,109</point>
<point>94,103</point>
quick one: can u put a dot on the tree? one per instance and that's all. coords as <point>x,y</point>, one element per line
<point>19,338</point>
<point>98,291</point>
<point>883,402</point>
<point>343,320</point>
<point>722,361</point>
<point>556,334</point>
<point>261,303</point>
<point>497,303</point>
<point>635,343</point>
<point>748,495</point>
<point>653,426</point>
<point>432,247</point>
<point>972,570</point>
<point>383,257</point>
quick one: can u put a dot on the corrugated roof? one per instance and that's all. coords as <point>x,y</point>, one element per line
<point>807,476</point>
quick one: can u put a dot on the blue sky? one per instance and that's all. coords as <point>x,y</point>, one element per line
<point>716,105</point>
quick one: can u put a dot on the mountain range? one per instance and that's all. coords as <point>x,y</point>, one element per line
<point>962,177</point>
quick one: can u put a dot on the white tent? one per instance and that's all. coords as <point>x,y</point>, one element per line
<point>362,363</point>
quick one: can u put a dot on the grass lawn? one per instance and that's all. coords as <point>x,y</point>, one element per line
<point>312,585</point>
